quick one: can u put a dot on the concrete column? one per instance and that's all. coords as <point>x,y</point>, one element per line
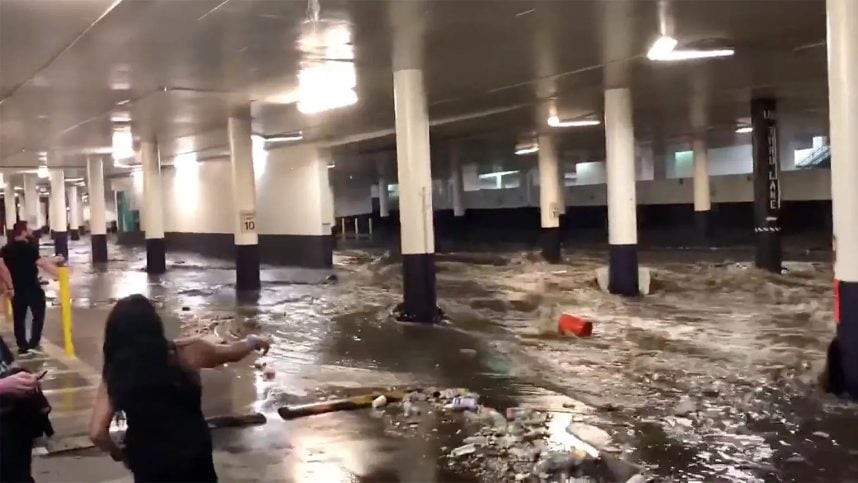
<point>74,213</point>
<point>843,121</point>
<point>41,213</point>
<point>153,210</point>
<point>31,205</point>
<point>549,199</point>
<point>383,197</point>
<point>9,201</point>
<point>97,209</point>
<point>244,203</point>
<point>702,197</point>
<point>457,182</point>
<point>415,197</point>
<point>622,205</point>
<point>767,191</point>
<point>59,215</point>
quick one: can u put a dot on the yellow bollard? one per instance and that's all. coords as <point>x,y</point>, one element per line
<point>7,305</point>
<point>65,310</point>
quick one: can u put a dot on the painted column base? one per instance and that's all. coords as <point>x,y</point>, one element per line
<point>703,221</point>
<point>623,270</point>
<point>842,364</point>
<point>99,248</point>
<point>247,268</point>
<point>74,235</point>
<point>61,243</point>
<point>419,293</point>
<point>156,256</point>
<point>550,239</point>
<point>768,253</point>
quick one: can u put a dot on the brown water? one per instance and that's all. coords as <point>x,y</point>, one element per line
<point>742,345</point>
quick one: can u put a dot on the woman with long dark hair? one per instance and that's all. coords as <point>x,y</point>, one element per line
<point>156,383</point>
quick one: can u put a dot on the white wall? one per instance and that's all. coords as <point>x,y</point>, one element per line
<point>198,199</point>
<point>722,161</point>
<point>291,196</point>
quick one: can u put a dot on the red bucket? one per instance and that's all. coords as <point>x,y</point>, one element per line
<point>572,324</point>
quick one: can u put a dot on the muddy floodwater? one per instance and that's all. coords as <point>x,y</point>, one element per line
<point>710,377</point>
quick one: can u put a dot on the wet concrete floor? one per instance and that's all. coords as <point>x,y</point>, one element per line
<point>710,377</point>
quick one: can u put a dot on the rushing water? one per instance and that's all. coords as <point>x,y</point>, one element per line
<point>737,347</point>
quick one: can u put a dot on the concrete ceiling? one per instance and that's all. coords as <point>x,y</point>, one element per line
<point>176,68</point>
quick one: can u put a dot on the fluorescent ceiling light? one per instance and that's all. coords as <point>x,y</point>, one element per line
<point>745,130</point>
<point>496,174</point>
<point>527,149</point>
<point>120,116</point>
<point>664,49</point>
<point>73,180</point>
<point>295,136</point>
<point>327,81</point>
<point>42,172</point>
<point>555,121</point>
<point>661,48</point>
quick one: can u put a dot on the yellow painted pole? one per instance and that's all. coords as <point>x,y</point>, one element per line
<point>65,309</point>
<point>7,306</point>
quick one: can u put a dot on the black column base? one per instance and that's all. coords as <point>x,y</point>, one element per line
<point>841,374</point>
<point>99,248</point>
<point>74,235</point>
<point>419,293</point>
<point>768,255</point>
<point>61,243</point>
<point>550,239</point>
<point>247,268</point>
<point>156,256</point>
<point>623,270</point>
<point>702,221</point>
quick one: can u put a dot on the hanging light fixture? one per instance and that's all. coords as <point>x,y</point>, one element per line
<point>555,121</point>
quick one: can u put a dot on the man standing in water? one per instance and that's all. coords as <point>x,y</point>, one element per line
<point>24,262</point>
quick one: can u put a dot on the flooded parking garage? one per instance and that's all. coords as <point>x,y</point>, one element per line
<point>711,376</point>
<point>413,199</point>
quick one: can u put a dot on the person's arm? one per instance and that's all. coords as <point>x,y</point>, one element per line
<point>203,354</point>
<point>46,265</point>
<point>99,424</point>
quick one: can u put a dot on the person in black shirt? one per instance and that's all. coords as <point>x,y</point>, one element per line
<point>24,262</point>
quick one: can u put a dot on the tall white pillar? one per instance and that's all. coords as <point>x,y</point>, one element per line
<point>153,209</point>
<point>383,197</point>
<point>415,196</point>
<point>97,209</point>
<point>550,207</point>
<point>9,203</point>
<point>843,122</point>
<point>41,210</point>
<point>74,212</point>
<point>456,182</point>
<point>59,215</point>
<point>31,204</point>
<point>622,205</point>
<point>244,203</point>
<point>702,197</point>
